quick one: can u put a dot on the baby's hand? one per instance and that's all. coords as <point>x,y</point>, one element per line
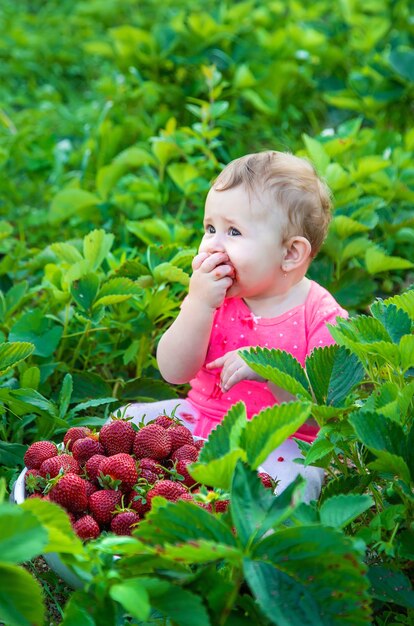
<point>211,278</point>
<point>234,369</point>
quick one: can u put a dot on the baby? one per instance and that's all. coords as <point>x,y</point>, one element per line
<point>266,217</point>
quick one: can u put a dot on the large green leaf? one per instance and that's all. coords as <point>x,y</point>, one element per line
<point>169,273</point>
<point>201,551</point>
<point>333,372</point>
<point>133,596</point>
<point>391,586</point>
<point>280,368</point>
<point>254,509</point>
<point>339,511</point>
<point>96,246</point>
<point>378,432</point>
<point>116,290</point>
<point>226,436</point>
<point>179,522</point>
<point>271,427</point>
<point>330,566</point>
<point>39,330</point>
<point>282,599</point>
<point>407,352</point>
<point>146,390</point>
<point>392,464</point>
<point>52,517</point>
<point>396,321</point>
<point>178,605</point>
<point>21,598</point>
<point>13,353</point>
<point>219,472</point>
<point>66,252</point>
<point>22,535</point>
<point>85,289</point>
<point>404,301</point>
<point>70,201</point>
<point>378,261</point>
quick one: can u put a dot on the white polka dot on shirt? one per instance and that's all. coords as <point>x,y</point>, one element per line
<point>280,334</point>
<point>295,323</point>
<point>241,336</point>
<point>294,347</point>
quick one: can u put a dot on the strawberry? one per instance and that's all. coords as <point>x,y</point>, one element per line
<point>185,452</point>
<point>73,434</point>
<point>87,528</point>
<point>90,488</point>
<point>138,501</point>
<point>180,436</point>
<point>121,470</point>
<point>181,468</point>
<point>33,481</point>
<point>167,489</point>
<point>148,475</point>
<point>84,448</point>
<point>123,523</point>
<point>102,505</point>
<point>92,467</point>
<point>117,436</point>
<point>152,441</point>
<point>152,466</point>
<point>65,462</point>
<point>219,506</point>
<point>267,480</point>
<point>69,491</point>
<point>38,452</point>
<point>199,443</point>
<point>165,421</point>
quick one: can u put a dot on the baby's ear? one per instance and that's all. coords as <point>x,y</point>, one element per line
<point>297,253</point>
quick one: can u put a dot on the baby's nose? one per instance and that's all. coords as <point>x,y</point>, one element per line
<point>213,244</point>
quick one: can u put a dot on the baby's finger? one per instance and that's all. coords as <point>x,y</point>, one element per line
<point>232,380</point>
<point>216,363</point>
<point>214,260</point>
<point>198,260</point>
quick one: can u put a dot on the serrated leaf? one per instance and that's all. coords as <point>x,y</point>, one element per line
<point>61,536</point>
<point>378,432</point>
<point>407,351</point>
<point>218,473</point>
<point>21,598</point>
<point>271,427</point>
<point>177,604</point>
<point>389,463</point>
<point>66,252</point>
<point>150,231</point>
<point>345,226</point>
<point>84,290</point>
<point>88,404</point>
<point>282,599</point>
<point>280,368</point>
<point>226,436</point>
<point>404,301</point>
<point>96,246</point>
<point>12,353</point>
<point>167,272</point>
<point>180,522</point>
<point>339,511</point>
<point>201,551</point>
<point>182,174</point>
<point>396,322</point>
<point>319,449</point>
<point>36,401</point>
<point>378,261</point>
<point>116,290</point>
<point>30,378</point>
<point>147,390</point>
<point>333,372</point>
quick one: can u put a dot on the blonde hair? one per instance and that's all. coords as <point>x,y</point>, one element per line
<point>293,185</point>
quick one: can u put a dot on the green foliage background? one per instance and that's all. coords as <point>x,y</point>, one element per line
<point>114,118</point>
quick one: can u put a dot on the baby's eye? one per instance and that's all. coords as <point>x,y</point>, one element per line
<point>210,229</point>
<point>234,232</point>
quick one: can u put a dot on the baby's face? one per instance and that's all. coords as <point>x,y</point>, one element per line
<point>251,239</point>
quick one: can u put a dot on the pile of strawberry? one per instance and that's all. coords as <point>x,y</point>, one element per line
<point>106,480</point>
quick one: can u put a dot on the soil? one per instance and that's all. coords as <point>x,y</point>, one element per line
<point>55,591</point>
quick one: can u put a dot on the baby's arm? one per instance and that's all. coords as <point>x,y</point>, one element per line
<point>183,347</point>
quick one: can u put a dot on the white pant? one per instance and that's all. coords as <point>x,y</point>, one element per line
<point>284,471</point>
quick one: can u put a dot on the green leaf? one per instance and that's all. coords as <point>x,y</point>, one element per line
<point>96,246</point>
<point>402,61</point>
<point>378,432</point>
<point>378,261</point>
<point>280,368</point>
<point>77,610</point>
<point>30,378</point>
<point>66,252</point>
<point>391,586</point>
<point>55,520</point>
<point>345,227</point>
<point>11,454</point>
<point>147,390</point>
<point>320,449</point>
<point>22,536</point>
<point>65,395</point>
<point>176,603</point>
<point>21,598</point>
<point>133,597</point>
<point>283,600</point>
<point>218,473</point>
<point>317,153</point>
<point>117,290</point>
<point>37,402</point>
<point>254,509</point>
<point>388,463</point>
<point>339,511</point>
<point>70,201</point>
<point>13,353</point>
<point>182,174</point>
<point>226,436</point>
<point>407,351</point>
<point>39,330</point>
<point>333,372</point>
<point>404,301</point>
<point>84,290</point>
<point>396,322</point>
<point>181,522</point>
<point>271,427</point>
<point>201,551</point>
<point>151,231</point>
<point>169,273</point>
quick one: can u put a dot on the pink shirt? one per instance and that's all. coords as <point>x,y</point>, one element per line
<point>297,331</point>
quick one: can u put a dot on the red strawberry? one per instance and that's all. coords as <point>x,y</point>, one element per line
<point>84,448</point>
<point>87,528</point>
<point>181,468</point>
<point>165,421</point>
<point>167,489</point>
<point>90,488</point>
<point>92,466</point>
<point>121,469</point>
<point>38,452</point>
<point>33,481</point>
<point>199,443</point>
<point>180,436</point>
<point>138,502</point>
<point>152,441</point>
<point>64,462</point>
<point>219,506</point>
<point>149,476</point>
<point>267,480</point>
<point>73,434</point>
<point>70,492</point>
<point>187,496</point>
<point>123,523</point>
<point>186,452</point>
<point>102,505</point>
<point>152,466</point>
<point>117,436</point>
